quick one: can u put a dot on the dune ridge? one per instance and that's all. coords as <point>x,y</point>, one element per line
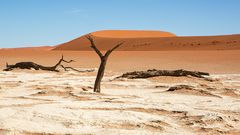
<point>152,41</point>
<point>131,34</point>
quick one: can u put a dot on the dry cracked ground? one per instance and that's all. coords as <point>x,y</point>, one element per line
<point>36,102</point>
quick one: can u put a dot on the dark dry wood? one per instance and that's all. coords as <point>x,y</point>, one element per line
<point>66,69</point>
<point>32,65</point>
<point>103,58</point>
<point>154,73</point>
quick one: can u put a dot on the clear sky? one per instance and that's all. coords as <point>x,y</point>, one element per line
<point>51,22</point>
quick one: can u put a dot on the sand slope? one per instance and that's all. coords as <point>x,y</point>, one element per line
<point>215,54</point>
<point>37,48</point>
<point>152,41</point>
<point>213,61</point>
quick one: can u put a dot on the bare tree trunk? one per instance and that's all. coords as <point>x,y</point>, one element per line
<point>100,74</point>
<point>103,58</point>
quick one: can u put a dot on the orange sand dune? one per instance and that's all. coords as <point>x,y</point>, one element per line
<point>214,54</point>
<point>46,48</point>
<point>131,34</point>
<point>213,61</point>
<point>152,41</point>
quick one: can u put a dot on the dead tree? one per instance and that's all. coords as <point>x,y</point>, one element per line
<point>154,73</point>
<point>103,58</point>
<point>30,65</point>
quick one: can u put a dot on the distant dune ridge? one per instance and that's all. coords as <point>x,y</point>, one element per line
<point>35,48</point>
<point>131,34</point>
<point>152,41</point>
<point>213,54</point>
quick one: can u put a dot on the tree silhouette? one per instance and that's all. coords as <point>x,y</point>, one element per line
<point>103,58</point>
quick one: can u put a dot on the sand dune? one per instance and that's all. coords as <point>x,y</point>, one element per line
<point>213,61</point>
<point>131,34</point>
<point>214,54</point>
<point>35,48</point>
<point>152,41</point>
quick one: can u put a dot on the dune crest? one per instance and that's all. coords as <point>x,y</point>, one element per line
<point>131,34</point>
<point>151,41</point>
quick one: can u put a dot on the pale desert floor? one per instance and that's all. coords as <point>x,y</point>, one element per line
<point>35,102</point>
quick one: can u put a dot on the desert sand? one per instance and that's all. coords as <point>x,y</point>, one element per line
<point>41,102</point>
<point>131,34</point>
<point>159,41</point>
<point>213,61</point>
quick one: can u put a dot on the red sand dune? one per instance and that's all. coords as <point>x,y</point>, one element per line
<point>45,48</point>
<point>214,54</point>
<point>152,41</point>
<point>131,34</point>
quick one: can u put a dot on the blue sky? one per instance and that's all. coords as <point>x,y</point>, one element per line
<point>51,22</point>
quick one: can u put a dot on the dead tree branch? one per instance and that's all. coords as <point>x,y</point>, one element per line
<point>93,46</point>
<point>32,65</point>
<point>74,69</point>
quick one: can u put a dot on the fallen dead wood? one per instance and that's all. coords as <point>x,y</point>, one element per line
<point>154,73</point>
<point>67,69</point>
<point>32,65</point>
